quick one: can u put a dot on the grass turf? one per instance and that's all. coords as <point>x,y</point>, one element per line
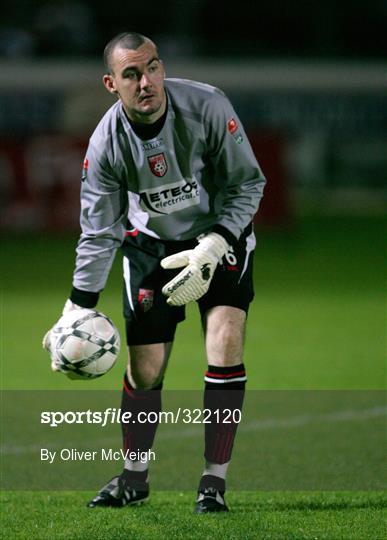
<point>318,322</point>
<point>317,516</point>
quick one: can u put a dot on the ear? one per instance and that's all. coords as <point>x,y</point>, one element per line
<point>109,83</point>
<point>163,66</point>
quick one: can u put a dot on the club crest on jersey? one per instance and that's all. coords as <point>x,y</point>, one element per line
<point>145,299</point>
<point>158,164</point>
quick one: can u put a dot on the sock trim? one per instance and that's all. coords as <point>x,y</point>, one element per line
<point>127,387</point>
<point>224,375</point>
<point>225,369</point>
<point>225,381</point>
<point>134,393</point>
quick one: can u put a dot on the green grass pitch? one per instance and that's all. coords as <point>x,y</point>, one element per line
<point>317,322</point>
<point>270,516</point>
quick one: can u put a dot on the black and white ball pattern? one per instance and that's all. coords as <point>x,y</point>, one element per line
<point>84,343</point>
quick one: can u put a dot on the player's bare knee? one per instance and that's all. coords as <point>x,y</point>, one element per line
<point>143,375</point>
<point>147,364</point>
<point>225,329</point>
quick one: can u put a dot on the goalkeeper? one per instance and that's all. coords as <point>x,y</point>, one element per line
<point>170,178</point>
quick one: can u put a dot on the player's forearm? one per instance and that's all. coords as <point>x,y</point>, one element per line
<point>240,204</point>
<point>95,255</point>
<point>94,260</point>
<point>103,218</point>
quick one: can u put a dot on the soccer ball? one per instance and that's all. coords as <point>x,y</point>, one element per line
<point>83,344</point>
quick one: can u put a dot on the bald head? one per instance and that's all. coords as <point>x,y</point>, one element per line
<point>125,40</point>
<point>135,74</point>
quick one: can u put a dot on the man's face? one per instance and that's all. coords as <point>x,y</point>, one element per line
<point>137,76</point>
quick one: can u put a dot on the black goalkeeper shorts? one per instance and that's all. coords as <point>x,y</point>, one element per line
<point>149,319</point>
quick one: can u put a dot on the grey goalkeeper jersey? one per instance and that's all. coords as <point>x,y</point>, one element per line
<point>198,173</point>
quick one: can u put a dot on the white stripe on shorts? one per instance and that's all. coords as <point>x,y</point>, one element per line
<point>127,282</point>
<point>250,245</point>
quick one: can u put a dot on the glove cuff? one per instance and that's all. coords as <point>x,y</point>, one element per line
<point>227,235</point>
<point>84,299</point>
<point>215,244</point>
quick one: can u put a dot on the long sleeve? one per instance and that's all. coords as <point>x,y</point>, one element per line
<point>237,173</point>
<point>104,204</point>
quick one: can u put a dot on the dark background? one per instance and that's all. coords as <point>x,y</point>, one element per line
<point>308,80</point>
<point>205,28</point>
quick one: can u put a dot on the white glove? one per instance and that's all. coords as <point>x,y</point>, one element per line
<point>69,306</point>
<point>193,282</point>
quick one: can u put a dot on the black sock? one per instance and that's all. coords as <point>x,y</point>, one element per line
<point>139,436</point>
<point>223,395</point>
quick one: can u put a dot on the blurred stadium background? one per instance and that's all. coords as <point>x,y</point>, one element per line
<point>309,82</point>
